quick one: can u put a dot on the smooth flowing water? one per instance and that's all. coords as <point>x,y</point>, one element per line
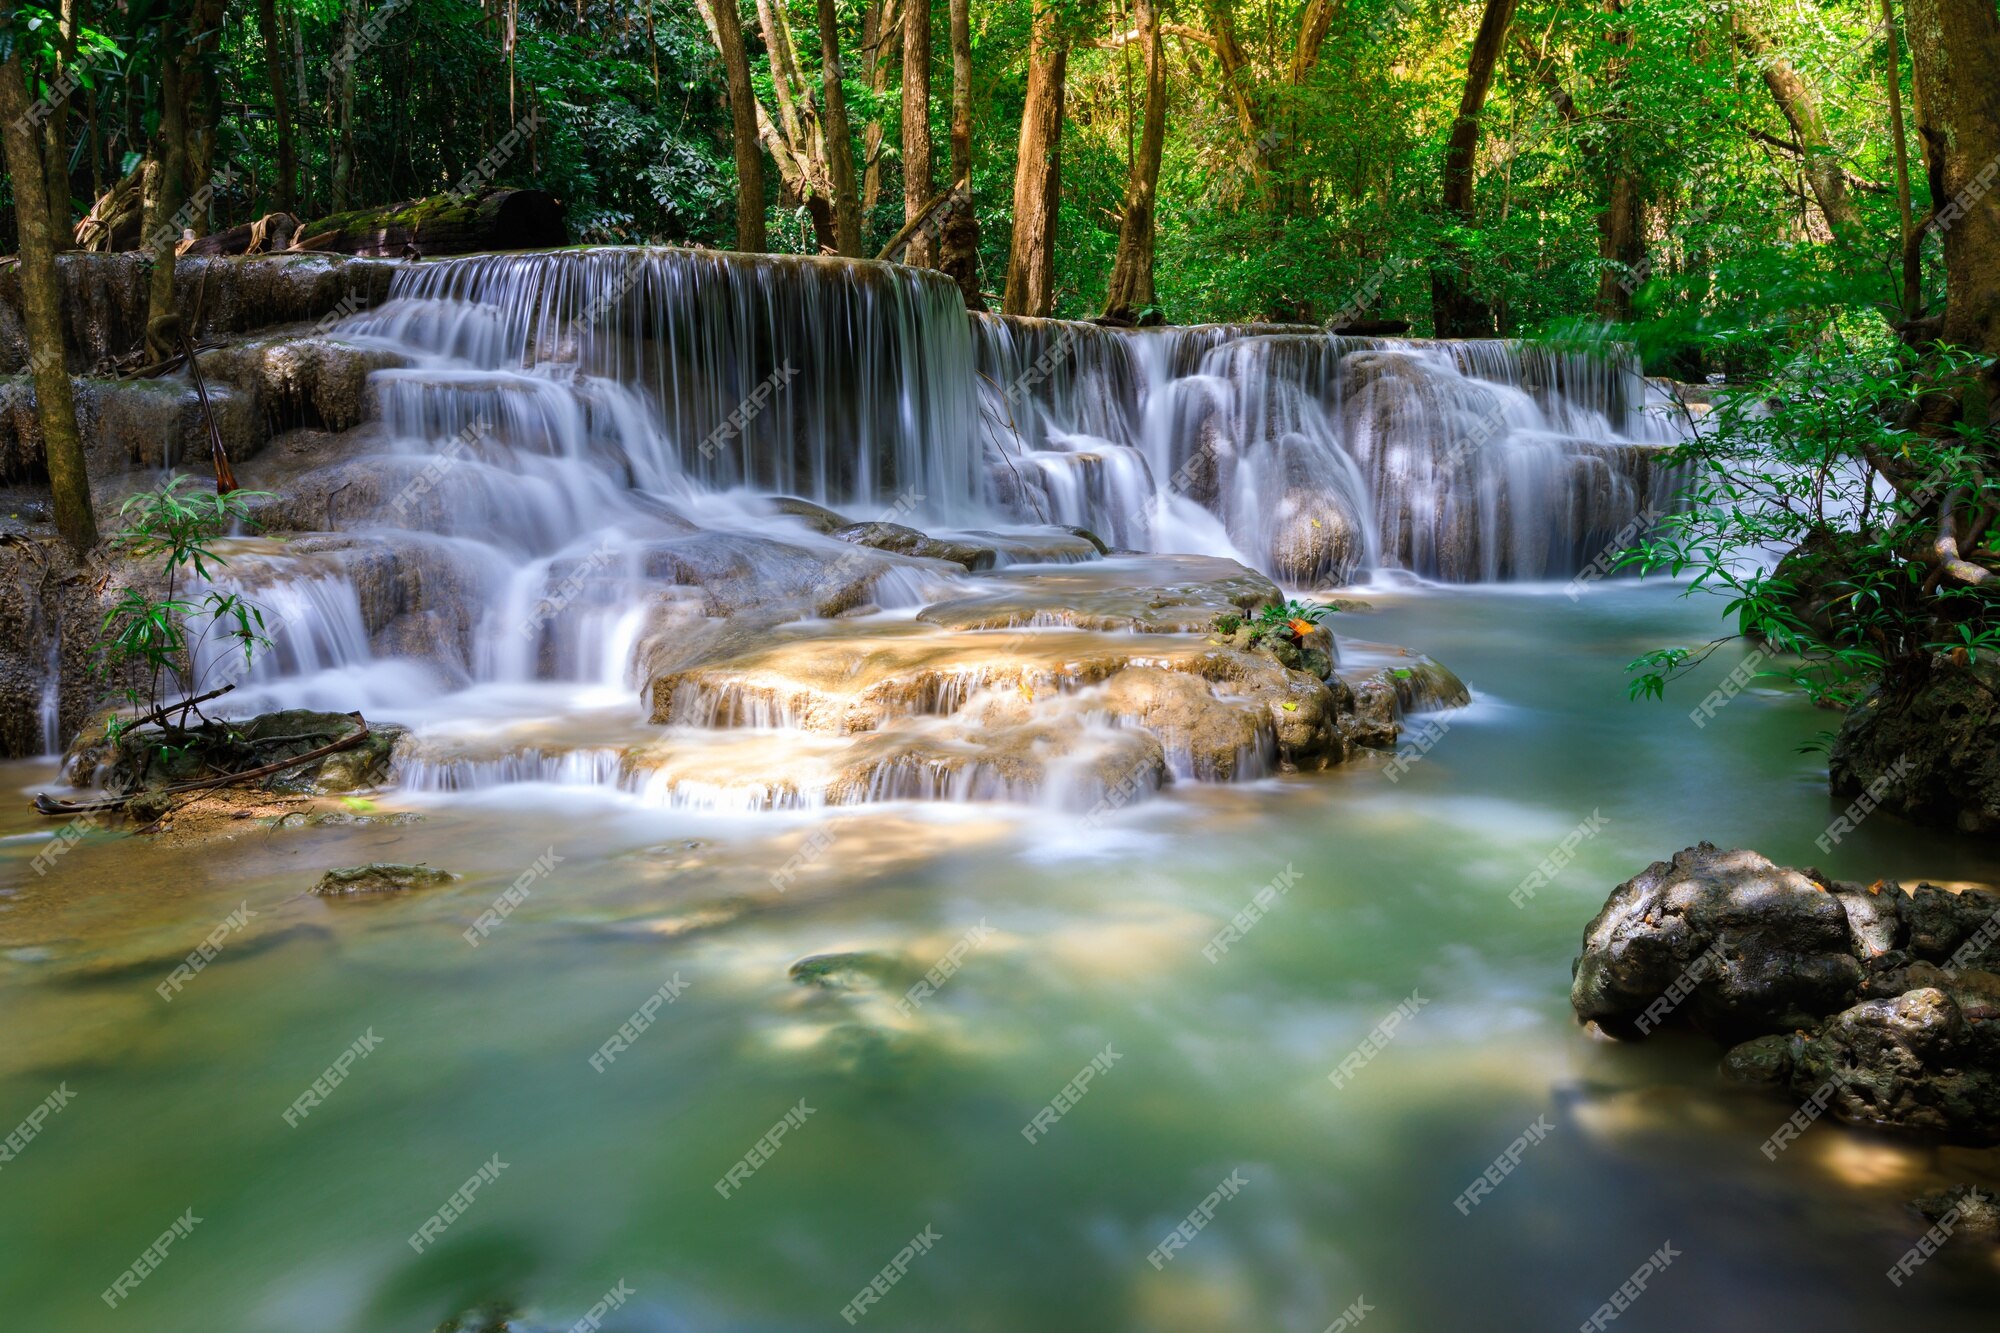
<point>1096,931</point>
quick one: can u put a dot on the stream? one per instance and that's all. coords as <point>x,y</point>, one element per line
<point>1094,935</point>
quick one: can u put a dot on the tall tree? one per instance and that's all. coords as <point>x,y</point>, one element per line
<point>343,112</point>
<point>1621,223</point>
<point>839,142</point>
<point>919,188</point>
<point>881,39</point>
<point>166,212</point>
<point>1456,312</point>
<point>272,34</point>
<point>55,129</point>
<point>1031,251</point>
<point>41,300</point>
<point>725,25</point>
<point>1912,303</point>
<point>1128,296</point>
<point>959,249</point>
<point>1955,50</point>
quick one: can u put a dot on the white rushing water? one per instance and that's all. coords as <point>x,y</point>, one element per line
<point>572,470</point>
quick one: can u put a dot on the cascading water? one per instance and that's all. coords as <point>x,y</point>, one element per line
<point>566,494</point>
<point>1318,457</point>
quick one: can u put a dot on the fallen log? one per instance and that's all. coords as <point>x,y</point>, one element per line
<point>443,224</point>
<point>267,235</point>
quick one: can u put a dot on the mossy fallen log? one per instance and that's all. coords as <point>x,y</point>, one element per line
<point>442,224</point>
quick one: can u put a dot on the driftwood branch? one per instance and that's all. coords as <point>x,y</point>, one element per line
<point>49,805</point>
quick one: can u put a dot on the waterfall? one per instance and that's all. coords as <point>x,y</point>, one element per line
<point>1317,457</point>
<point>590,468</point>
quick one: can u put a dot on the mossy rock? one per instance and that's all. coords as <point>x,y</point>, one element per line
<point>380,877</point>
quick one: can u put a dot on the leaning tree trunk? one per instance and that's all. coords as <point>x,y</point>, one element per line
<point>1031,252</point>
<point>959,247</point>
<point>1796,99</point>
<point>839,143</point>
<point>1456,312</point>
<point>41,301</point>
<point>919,185</point>
<point>281,107</point>
<point>1129,294</point>
<point>727,24</point>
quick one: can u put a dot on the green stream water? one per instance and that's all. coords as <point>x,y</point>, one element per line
<point>1095,936</point>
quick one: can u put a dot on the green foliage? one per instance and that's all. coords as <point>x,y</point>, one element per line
<point>145,646</point>
<point>1821,463</point>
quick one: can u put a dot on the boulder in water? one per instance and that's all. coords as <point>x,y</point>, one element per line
<point>1315,541</point>
<point>1873,1002</point>
<point>1913,1063</point>
<point>1777,948</point>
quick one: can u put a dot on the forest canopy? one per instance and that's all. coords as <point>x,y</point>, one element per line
<point>1322,161</point>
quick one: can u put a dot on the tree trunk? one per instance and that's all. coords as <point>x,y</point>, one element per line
<point>839,142</point>
<point>343,123</point>
<point>1031,251</point>
<point>165,218</point>
<point>1128,296</point>
<point>1912,302</point>
<point>726,26</point>
<point>1955,50</point>
<point>959,251</point>
<point>880,40</point>
<point>1455,311</point>
<point>1620,226</point>
<point>1795,98</point>
<point>55,131</point>
<point>281,107</point>
<point>41,301</point>
<point>203,107</point>
<point>919,185</point>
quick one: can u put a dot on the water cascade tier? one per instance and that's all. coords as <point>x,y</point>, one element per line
<point>765,532</point>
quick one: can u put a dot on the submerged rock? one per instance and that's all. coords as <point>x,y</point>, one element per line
<point>1174,594</point>
<point>1974,1210</point>
<point>817,516</point>
<point>1874,1001</point>
<point>846,971</point>
<point>380,877</point>
<point>908,541</point>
